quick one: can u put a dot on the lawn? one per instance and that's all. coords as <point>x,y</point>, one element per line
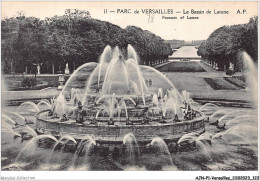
<point>215,87</point>
<point>14,83</point>
<point>182,67</point>
<point>219,84</point>
<point>238,81</point>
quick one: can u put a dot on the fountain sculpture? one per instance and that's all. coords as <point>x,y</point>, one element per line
<point>112,99</point>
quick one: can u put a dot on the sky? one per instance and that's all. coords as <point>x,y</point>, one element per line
<point>168,29</point>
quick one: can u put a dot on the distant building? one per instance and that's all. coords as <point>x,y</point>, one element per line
<point>197,42</point>
<point>175,44</point>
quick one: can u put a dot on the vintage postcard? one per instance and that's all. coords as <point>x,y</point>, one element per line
<point>129,86</point>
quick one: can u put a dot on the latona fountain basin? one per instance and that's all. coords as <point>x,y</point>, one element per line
<point>118,98</point>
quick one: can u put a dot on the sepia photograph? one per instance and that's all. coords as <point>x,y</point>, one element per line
<point>129,86</point>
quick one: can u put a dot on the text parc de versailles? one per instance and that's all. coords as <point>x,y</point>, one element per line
<point>169,11</point>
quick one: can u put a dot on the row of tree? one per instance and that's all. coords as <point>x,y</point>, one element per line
<point>74,38</point>
<point>226,43</point>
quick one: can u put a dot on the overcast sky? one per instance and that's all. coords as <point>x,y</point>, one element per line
<point>186,29</point>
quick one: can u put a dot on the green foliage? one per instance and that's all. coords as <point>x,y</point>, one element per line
<point>28,82</point>
<point>250,37</point>
<point>73,38</point>
<point>225,43</point>
<point>148,46</point>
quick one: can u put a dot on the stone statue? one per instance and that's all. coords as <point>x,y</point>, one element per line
<point>38,69</point>
<point>146,119</point>
<point>67,71</point>
<point>79,113</point>
<point>111,122</point>
<point>64,118</point>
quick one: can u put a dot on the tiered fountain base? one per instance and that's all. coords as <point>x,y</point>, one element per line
<point>113,135</point>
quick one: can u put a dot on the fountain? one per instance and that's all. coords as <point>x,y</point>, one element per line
<point>116,102</point>
<point>106,118</point>
<point>107,109</point>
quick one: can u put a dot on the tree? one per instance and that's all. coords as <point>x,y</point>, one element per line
<point>9,28</point>
<point>226,42</point>
<point>250,37</point>
<point>74,38</point>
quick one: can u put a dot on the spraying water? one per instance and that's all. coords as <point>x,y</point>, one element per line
<point>163,148</point>
<point>60,107</point>
<point>19,119</point>
<point>105,56</point>
<point>28,107</point>
<point>45,104</point>
<point>6,119</point>
<point>63,140</point>
<point>83,149</point>
<point>32,145</point>
<point>208,106</point>
<point>132,149</point>
<point>250,71</point>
